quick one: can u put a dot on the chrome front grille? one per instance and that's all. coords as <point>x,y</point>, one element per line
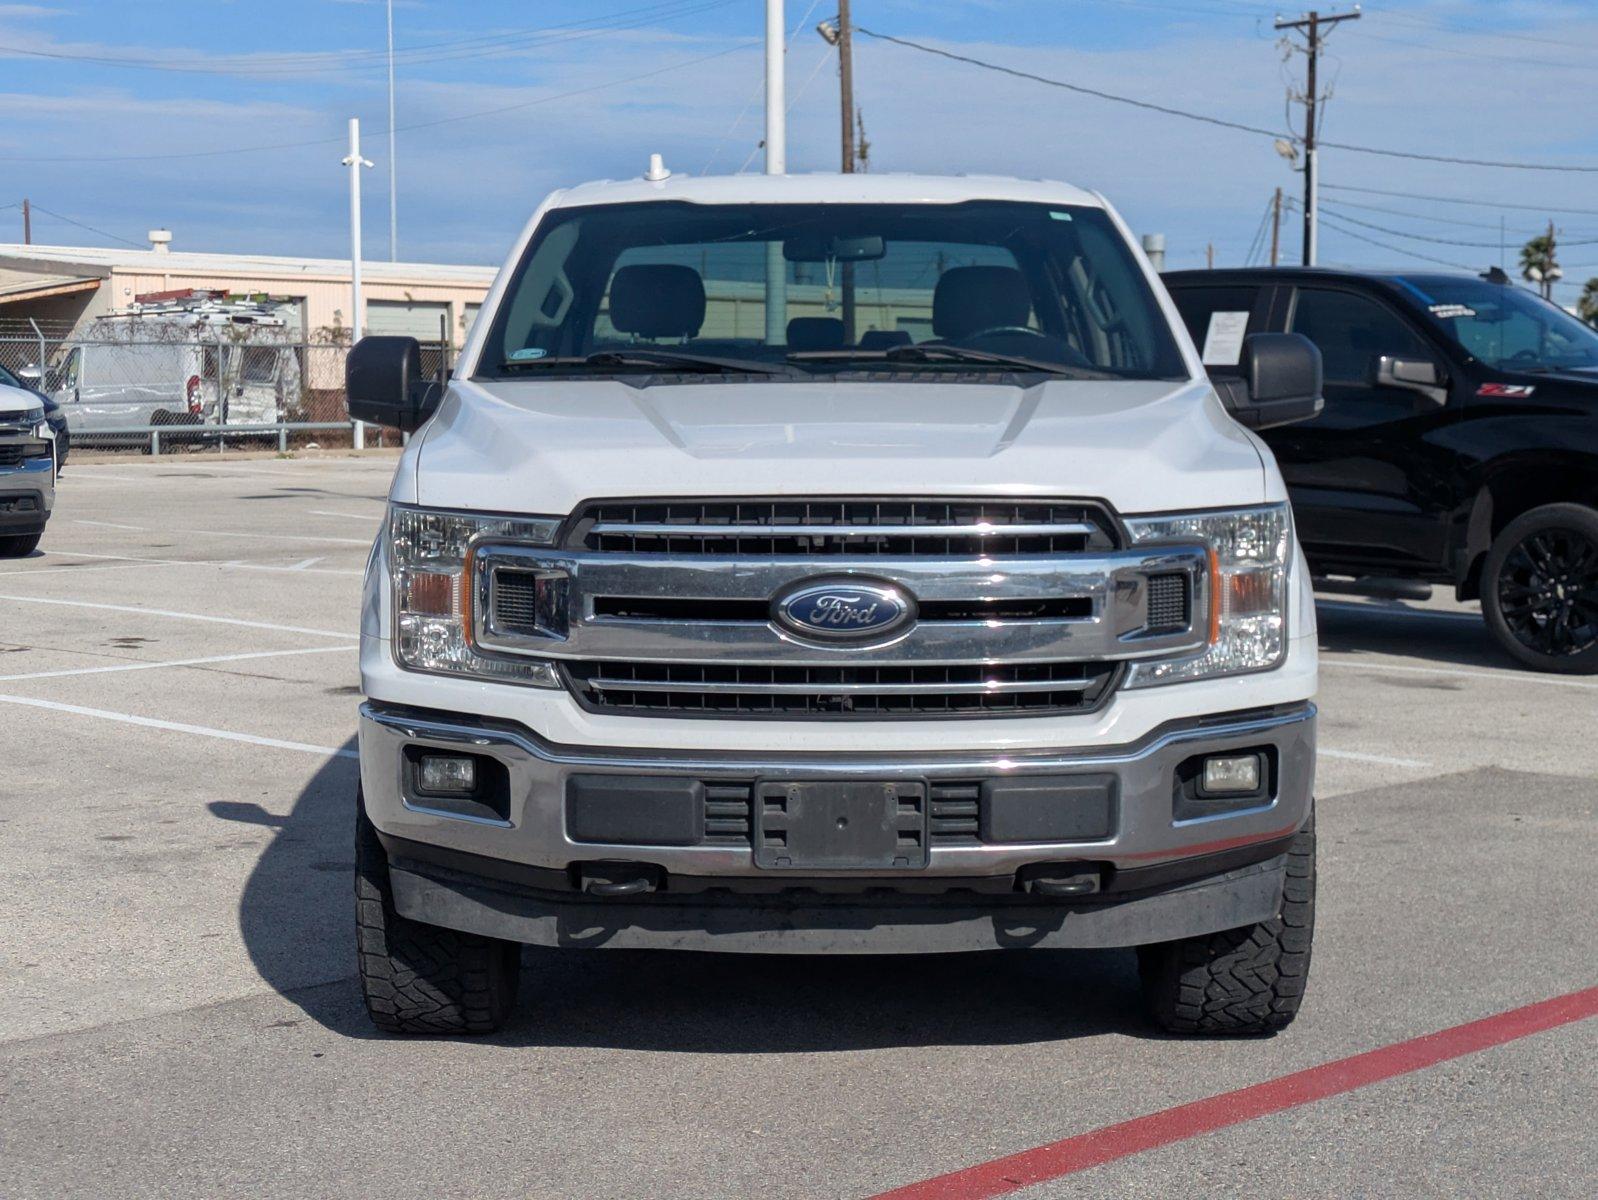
<point>680,608</point>
<point>823,527</point>
<point>722,690</point>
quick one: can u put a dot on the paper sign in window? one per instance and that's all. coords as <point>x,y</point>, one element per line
<point>1223,344</point>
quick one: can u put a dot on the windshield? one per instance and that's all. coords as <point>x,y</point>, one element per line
<point>805,290</point>
<point>1507,327</point>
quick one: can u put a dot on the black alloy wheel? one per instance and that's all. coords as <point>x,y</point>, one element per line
<point>1540,590</point>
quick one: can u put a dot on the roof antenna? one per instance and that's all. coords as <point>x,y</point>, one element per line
<point>657,169</point>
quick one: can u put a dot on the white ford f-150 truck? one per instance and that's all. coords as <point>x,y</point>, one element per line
<point>835,564</point>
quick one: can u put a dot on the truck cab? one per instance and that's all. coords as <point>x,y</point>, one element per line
<point>1458,446</point>
<point>842,565</point>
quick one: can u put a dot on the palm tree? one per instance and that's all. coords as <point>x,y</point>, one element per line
<point>1536,256</point>
<point>1587,306</point>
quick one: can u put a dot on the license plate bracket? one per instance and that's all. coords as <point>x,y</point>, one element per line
<point>840,825</point>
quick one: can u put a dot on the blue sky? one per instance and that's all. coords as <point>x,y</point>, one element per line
<point>487,84</point>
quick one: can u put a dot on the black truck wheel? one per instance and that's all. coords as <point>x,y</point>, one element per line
<point>1240,981</point>
<point>1539,589</point>
<point>19,545</point>
<point>419,978</point>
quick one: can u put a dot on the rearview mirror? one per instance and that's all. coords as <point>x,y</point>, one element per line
<point>384,382</point>
<point>1414,375</point>
<point>1280,384</point>
<point>815,248</point>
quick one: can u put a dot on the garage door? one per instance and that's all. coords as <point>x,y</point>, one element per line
<point>402,318</point>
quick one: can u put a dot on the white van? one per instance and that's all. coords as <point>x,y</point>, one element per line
<point>197,360</point>
<point>856,564</point>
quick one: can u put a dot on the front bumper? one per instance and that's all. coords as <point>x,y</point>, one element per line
<point>521,874</point>
<point>27,494</point>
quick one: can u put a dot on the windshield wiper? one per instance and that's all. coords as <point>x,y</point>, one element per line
<point>667,359</point>
<point>948,354</point>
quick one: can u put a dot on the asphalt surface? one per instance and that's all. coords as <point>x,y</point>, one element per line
<point>178,1015</point>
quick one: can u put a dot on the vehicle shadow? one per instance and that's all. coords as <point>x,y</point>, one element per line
<point>1408,631</point>
<point>296,918</point>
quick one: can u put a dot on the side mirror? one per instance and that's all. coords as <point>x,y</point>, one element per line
<point>30,374</point>
<point>1420,375</point>
<point>1280,384</point>
<point>385,385</point>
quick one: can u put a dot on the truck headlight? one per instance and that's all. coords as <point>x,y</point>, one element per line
<point>430,557</point>
<point>1250,551</point>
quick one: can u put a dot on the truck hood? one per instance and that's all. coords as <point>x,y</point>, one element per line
<point>17,400</point>
<point>544,447</point>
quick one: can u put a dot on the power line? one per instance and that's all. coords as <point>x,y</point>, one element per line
<point>37,207</point>
<point>1437,241</point>
<point>1536,208</point>
<point>486,112</point>
<point>1427,217</point>
<point>1370,241</point>
<point>1220,121</point>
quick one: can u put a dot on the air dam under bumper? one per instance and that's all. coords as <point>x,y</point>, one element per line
<point>1160,874</point>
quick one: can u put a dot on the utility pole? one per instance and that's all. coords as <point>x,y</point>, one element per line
<point>1313,25</point>
<point>776,164</point>
<point>393,170</point>
<point>1276,227</point>
<point>27,222</point>
<point>1209,256</point>
<point>846,85</point>
<point>355,162</point>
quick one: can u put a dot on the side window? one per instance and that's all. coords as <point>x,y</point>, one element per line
<point>1217,318</point>
<point>1352,333</point>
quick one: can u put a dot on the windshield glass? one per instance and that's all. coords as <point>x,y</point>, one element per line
<point>1507,327</point>
<point>813,289</point>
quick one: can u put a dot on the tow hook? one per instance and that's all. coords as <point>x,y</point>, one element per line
<point>618,879</point>
<point>1062,883</point>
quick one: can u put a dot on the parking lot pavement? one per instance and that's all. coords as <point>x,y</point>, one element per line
<point>178,1015</point>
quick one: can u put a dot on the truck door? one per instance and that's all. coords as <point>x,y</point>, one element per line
<point>1370,491</point>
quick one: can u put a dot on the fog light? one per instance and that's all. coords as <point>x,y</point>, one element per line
<point>1230,775</point>
<point>449,773</point>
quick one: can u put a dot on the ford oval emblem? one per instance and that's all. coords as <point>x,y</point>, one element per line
<point>845,609</point>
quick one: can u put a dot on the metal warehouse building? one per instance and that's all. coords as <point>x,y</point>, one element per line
<point>62,288</point>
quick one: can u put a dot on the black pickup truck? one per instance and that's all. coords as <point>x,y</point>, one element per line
<point>1458,445</point>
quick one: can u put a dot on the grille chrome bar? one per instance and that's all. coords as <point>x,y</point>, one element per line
<point>843,530</point>
<point>977,688</point>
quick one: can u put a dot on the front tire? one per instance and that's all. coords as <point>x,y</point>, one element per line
<point>420,978</point>
<point>1540,589</point>
<point>19,545</point>
<point>1239,981</point>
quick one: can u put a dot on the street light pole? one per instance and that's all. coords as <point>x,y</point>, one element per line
<point>355,162</point>
<point>776,164</point>
<point>393,169</point>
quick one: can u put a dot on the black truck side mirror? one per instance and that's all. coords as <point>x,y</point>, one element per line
<point>1280,384</point>
<point>384,383</point>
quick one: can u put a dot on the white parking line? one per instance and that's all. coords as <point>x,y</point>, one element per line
<point>324,512</point>
<point>176,662</point>
<point>226,735</point>
<point>1380,760</point>
<point>279,537</point>
<point>110,525</point>
<point>183,616</point>
<point>122,561</point>
<point>1517,677</point>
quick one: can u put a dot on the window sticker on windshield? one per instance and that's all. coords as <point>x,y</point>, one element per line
<point>527,354</point>
<point>1517,391</point>
<point>1059,216</point>
<point>1448,312</point>
<point>1223,343</point>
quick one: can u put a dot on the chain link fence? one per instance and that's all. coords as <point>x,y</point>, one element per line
<point>156,395</point>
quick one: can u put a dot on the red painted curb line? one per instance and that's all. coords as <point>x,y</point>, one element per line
<point>1069,1155</point>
